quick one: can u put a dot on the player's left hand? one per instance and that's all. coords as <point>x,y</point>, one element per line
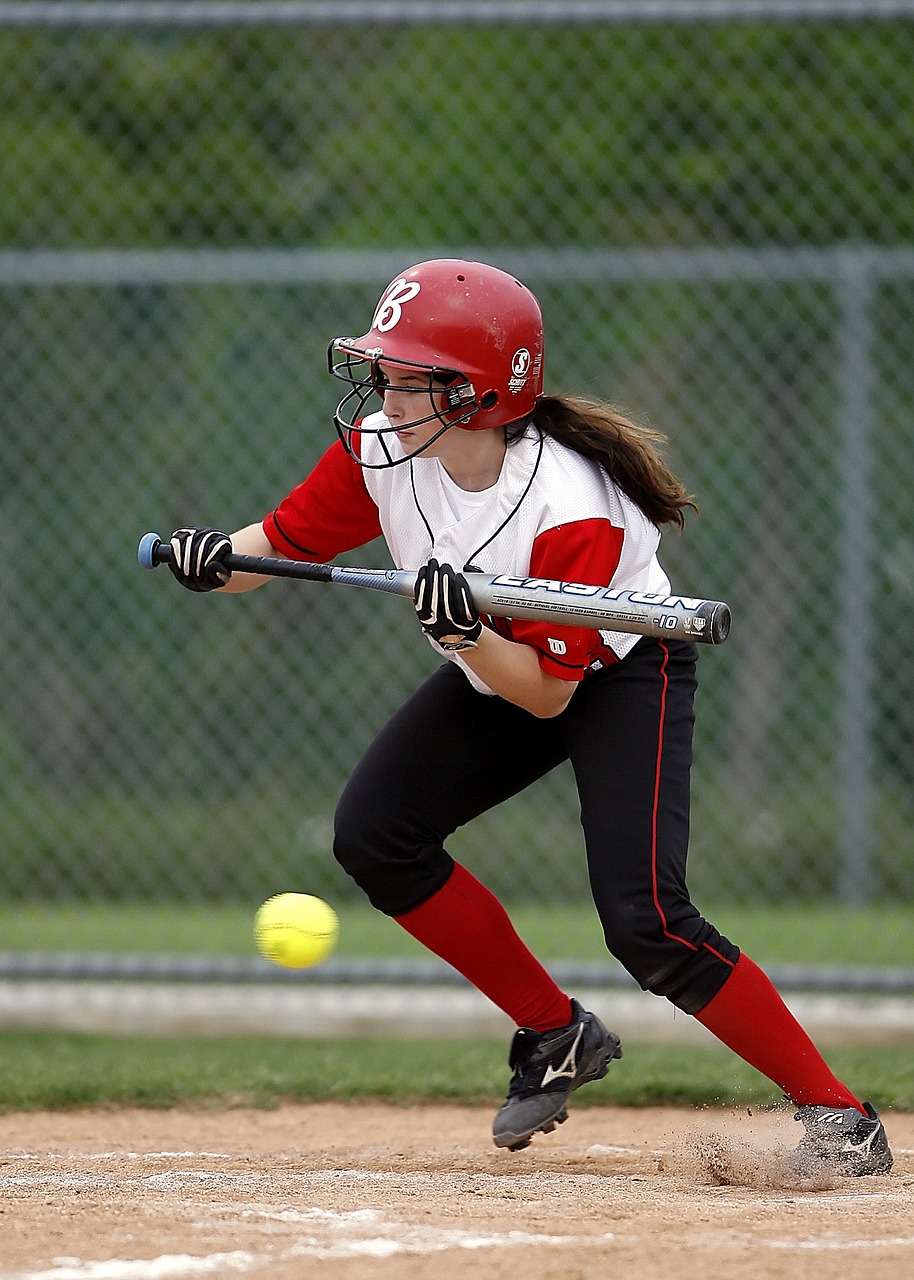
<point>198,558</point>
<point>445,607</point>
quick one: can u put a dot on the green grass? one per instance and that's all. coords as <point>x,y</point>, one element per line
<point>55,1070</point>
<point>46,1069</point>
<point>778,934</point>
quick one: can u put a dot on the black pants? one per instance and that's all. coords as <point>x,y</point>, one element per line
<point>451,753</point>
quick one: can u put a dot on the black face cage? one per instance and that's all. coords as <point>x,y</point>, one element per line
<point>363,373</point>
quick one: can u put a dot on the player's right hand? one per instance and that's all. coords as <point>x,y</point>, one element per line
<point>199,558</point>
<point>445,607</point>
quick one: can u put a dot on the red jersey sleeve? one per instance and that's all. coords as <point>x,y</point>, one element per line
<point>585,551</point>
<point>330,512</point>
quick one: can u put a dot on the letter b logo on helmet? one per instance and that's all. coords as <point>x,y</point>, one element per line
<point>390,308</point>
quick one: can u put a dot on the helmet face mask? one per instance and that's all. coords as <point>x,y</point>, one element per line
<point>476,334</point>
<point>451,398</point>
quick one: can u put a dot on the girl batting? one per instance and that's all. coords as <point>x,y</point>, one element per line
<point>449,447</point>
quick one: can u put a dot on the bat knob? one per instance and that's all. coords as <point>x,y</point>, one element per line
<point>147,553</point>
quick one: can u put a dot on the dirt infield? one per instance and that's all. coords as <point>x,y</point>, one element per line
<point>394,1192</point>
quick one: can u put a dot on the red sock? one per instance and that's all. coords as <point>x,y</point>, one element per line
<point>467,926</point>
<point>749,1016</point>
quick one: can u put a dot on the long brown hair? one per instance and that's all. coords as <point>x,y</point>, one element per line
<point>629,452</point>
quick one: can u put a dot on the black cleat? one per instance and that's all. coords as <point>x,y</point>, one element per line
<point>548,1066</point>
<point>843,1141</point>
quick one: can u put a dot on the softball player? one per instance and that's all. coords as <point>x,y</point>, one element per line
<point>463,463</point>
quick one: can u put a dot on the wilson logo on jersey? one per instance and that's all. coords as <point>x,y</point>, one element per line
<point>556,646</point>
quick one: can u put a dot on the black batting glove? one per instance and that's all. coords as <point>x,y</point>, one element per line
<point>198,562</point>
<point>445,607</point>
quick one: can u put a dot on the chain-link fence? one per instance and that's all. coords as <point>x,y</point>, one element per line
<point>717,212</point>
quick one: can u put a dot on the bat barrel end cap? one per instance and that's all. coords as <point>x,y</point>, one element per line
<point>720,624</point>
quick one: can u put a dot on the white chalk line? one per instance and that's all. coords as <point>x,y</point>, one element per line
<point>595,1149</point>
<point>601,1149</point>
<point>314,1179</point>
<point>415,1181</point>
<point>161,1268</point>
<point>118,1155</point>
<point>169,1180</point>
<point>828,1244</point>
<point>365,1233</point>
<point>368,1233</point>
<point>329,1234</point>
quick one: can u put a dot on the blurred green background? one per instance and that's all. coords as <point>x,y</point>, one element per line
<point>718,217</point>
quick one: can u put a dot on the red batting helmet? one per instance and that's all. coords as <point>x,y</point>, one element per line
<point>476,331</point>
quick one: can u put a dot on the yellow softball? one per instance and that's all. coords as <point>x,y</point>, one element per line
<point>295,930</point>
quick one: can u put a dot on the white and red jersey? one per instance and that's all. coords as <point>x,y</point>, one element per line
<point>551,514</point>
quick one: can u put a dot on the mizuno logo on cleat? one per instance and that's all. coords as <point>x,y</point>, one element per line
<point>566,1069</point>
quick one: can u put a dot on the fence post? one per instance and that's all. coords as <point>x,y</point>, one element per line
<point>855,284</point>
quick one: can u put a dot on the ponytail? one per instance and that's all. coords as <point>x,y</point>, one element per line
<point>627,451</point>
